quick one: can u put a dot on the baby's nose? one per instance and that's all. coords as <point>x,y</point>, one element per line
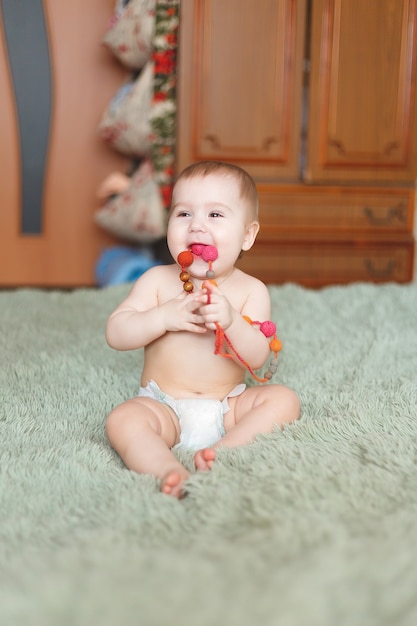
<point>197,224</point>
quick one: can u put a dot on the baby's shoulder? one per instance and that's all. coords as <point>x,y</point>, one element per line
<point>158,274</point>
<point>249,283</point>
<point>162,281</point>
<point>249,294</point>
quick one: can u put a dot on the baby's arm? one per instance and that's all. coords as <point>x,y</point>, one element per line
<point>140,319</point>
<point>248,340</point>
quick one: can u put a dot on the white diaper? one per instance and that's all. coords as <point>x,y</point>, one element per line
<point>201,419</point>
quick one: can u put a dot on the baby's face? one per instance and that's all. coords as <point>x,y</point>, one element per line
<point>209,210</point>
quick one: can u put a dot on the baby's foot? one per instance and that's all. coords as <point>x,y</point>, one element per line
<point>203,459</point>
<point>172,483</point>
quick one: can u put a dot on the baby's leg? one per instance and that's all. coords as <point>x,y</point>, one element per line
<point>258,410</point>
<point>142,431</point>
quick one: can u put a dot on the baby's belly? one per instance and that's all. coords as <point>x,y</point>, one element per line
<point>185,366</point>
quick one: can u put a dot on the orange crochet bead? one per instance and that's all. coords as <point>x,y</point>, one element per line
<point>184,276</point>
<point>210,280</point>
<point>247,319</point>
<point>275,345</point>
<point>185,258</point>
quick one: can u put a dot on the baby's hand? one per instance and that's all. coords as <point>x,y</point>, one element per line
<point>182,313</point>
<point>215,307</point>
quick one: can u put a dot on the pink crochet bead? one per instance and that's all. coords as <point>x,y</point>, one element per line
<point>268,328</point>
<point>209,254</point>
<point>197,249</point>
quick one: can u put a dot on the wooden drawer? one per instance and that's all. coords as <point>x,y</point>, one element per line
<point>323,263</point>
<point>306,211</point>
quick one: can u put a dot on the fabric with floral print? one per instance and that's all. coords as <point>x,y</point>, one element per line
<point>163,109</point>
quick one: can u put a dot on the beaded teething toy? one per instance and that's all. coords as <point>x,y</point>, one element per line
<point>268,328</point>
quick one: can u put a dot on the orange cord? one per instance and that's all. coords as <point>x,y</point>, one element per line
<point>221,338</point>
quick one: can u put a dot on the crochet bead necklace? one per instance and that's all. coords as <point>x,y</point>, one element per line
<point>268,328</point>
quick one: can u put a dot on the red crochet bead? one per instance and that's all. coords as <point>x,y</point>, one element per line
<point>197,248</point>
<point>185,258</point>
<point>268,328</point>
<point>209,254</point>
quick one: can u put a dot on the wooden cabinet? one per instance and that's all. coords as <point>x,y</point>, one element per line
<point>362,114</point>
<point>317,100</point>
<point>55,81</point>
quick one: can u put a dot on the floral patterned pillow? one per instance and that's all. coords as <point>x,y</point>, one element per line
<point>137,214</point>
<point>126,124</point>
<point>130,33</point>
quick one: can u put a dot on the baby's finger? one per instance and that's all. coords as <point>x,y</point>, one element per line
<point>193,304</point>
<point>211,286</point>
<point>211,326</point>
<point>196,328</point>
<point>197,319</point>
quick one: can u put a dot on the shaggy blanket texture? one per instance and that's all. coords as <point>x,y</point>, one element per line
<point>315,525</point>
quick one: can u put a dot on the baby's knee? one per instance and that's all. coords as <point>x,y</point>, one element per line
<point>113,420</point>
<point>121,416</point>
<point>290,403</point>
<point>139,416</point>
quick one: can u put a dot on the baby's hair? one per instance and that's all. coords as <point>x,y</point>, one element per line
<point>246,183</point>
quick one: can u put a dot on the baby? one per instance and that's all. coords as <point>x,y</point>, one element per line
<point>191,397</point>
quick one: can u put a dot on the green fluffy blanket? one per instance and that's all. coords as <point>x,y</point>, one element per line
<point>312,525</point>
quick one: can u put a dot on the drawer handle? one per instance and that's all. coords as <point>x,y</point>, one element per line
<point>394,213</point>
<point>383,273</point>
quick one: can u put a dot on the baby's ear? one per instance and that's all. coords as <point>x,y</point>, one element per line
<point>251,231</point>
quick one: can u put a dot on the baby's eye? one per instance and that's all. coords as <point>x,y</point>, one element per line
<point>183,214</point>
<point>215,214</point>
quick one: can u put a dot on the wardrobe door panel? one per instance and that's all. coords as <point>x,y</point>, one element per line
<point>362,124</point>
<point>240,84</point>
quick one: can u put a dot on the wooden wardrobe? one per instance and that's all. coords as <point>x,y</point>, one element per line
<point>317,100</point>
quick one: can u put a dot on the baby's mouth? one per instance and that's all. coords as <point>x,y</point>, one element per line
<point>206,252</point>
